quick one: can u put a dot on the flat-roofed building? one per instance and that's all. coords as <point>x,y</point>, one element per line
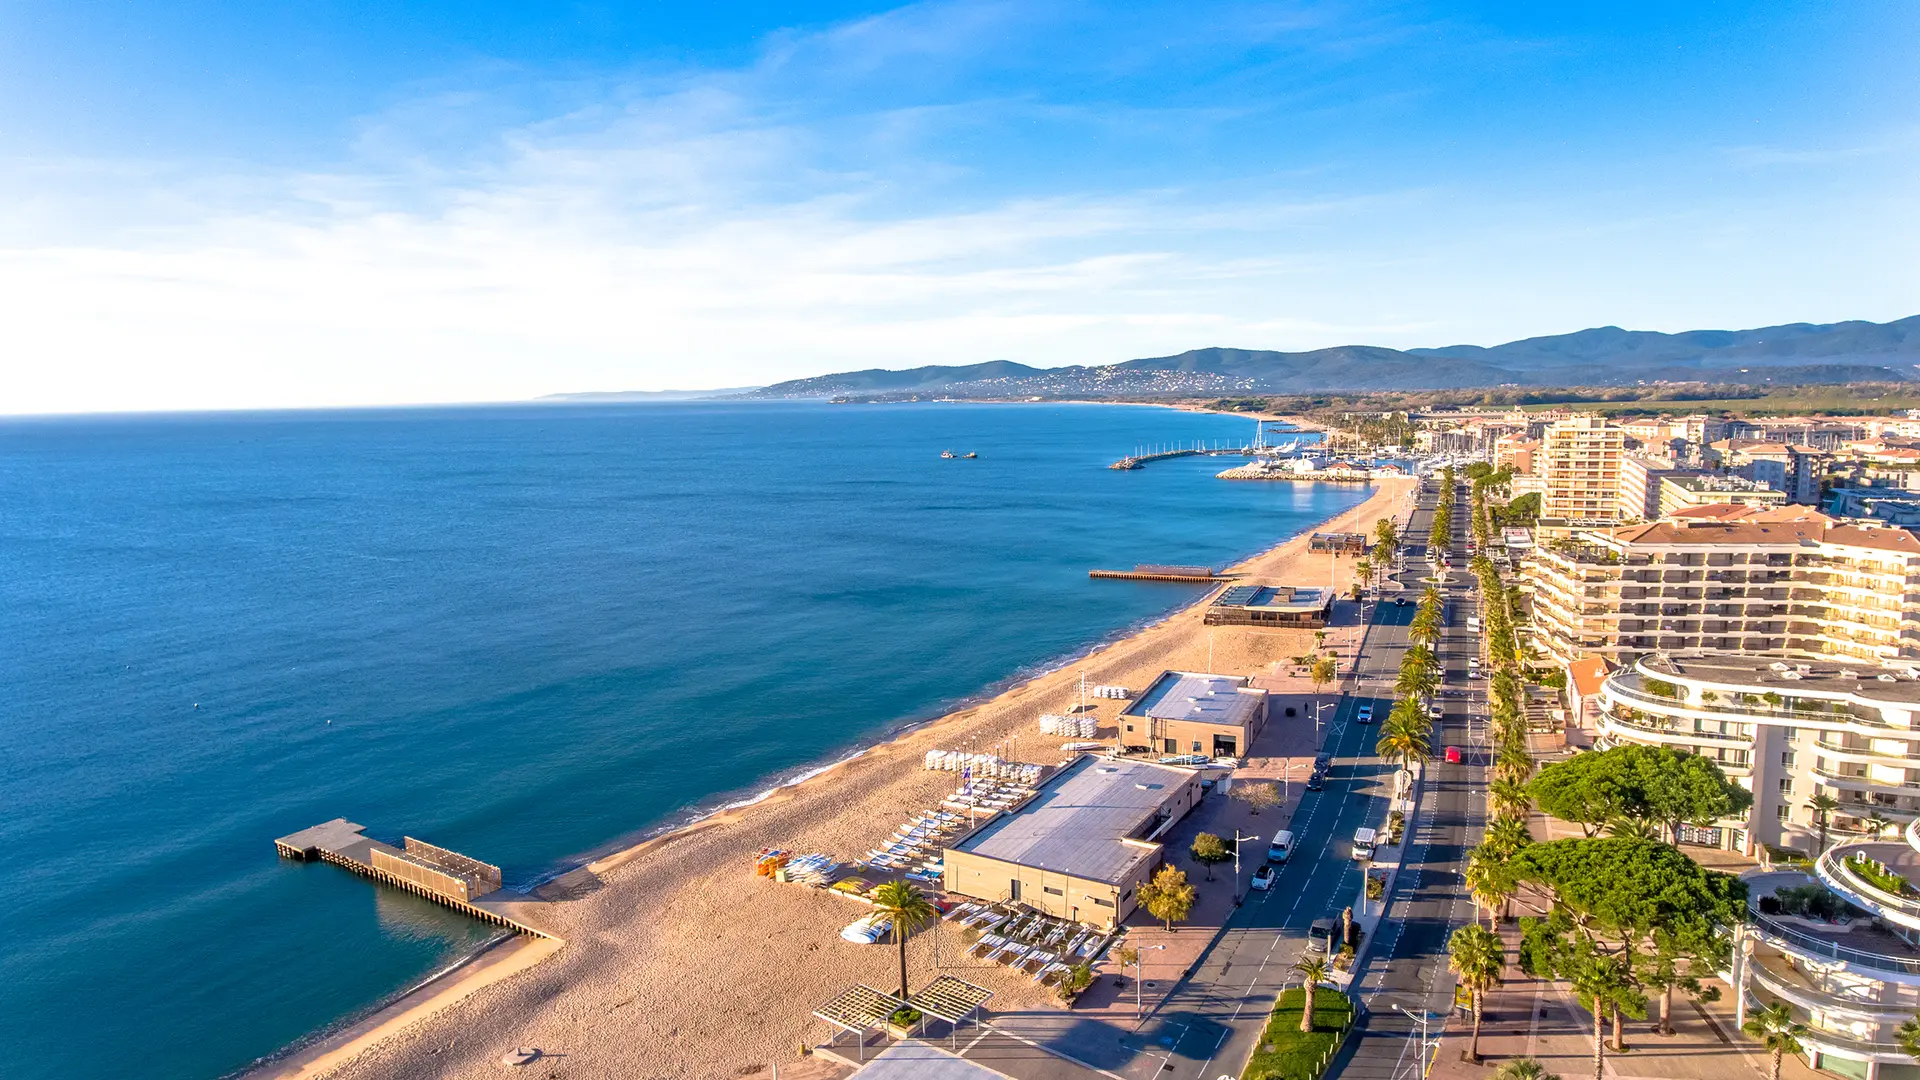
<point>1640,476</point>
<point>1770,580</point>
<point>1282,606</point>
<point>1082,845</point>
<point>1184,712</point>
<point>1681,491</point>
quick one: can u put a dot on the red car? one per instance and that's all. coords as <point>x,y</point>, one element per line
<point>1453,755</point>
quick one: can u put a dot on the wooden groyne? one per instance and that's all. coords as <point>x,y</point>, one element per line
<point>445,877</point>
<point>1201,574</point>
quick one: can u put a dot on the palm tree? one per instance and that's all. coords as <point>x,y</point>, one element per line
<point>1312,969</point>
<point>1775,1027</point>
<point>1877,824</point>
<point>1512,765</point>
<point>1405,736</point>
<point>1633,829</point>
<point>1507,836</point>
<point>1476,954</point>
<point>1524,1068</point>
<point>1822,805</point>
<point>1507,799</point>
<point>910,910</point>
<point>1490,881</point>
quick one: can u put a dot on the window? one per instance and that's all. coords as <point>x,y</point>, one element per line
<point>1129,727</point>
<point>1196,746</point>
<point>1786,758</point>
<point>1790,734</point>
<point>1786,786</point>
<point>1783,812</point>
<point>1051,891</point>
<point>1100,902</point>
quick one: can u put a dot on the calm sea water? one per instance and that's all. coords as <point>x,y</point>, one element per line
<point>525,633</point>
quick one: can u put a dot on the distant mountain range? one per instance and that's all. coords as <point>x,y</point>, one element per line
<point>1606,356</point>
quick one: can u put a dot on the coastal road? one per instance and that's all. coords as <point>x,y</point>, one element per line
<point>1405,976</point>
<point>1208,1026</point>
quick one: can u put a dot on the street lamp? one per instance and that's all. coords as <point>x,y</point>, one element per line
<point>1318,706</point>
<point>1237,841</point>
<point>1139,958</point>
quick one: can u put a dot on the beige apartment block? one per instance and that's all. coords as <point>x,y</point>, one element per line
<point>1640,476</point>
<point>1779,581</point>
<point>1580,460</point>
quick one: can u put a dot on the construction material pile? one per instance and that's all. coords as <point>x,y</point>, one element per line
<point>1080,727</point>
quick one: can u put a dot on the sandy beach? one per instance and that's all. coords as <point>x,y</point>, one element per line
<point>679,962</point>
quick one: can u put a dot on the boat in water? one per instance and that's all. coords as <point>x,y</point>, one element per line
<point>946,453</point>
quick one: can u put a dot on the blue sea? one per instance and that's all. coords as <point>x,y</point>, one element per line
<point>528,633</point>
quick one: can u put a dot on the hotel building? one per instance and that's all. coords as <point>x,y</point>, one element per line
<point>1781,581</point>
<point>1788,732</point>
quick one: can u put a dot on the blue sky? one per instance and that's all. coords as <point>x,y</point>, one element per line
<point>212,205</point>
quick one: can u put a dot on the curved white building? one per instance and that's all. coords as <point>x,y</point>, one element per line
<point>1786,730</point>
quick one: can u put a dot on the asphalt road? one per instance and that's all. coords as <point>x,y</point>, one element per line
<point>1208,1025</point>
<point>1406,974</point>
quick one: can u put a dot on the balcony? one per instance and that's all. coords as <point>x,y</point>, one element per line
<point>1877,951</point>
<point>1833,870</point>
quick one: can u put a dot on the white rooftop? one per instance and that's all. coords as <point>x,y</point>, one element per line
<point>1077,822</point>
<point>1207,699</point>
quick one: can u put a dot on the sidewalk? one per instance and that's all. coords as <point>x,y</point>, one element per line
<point>1286,747</point>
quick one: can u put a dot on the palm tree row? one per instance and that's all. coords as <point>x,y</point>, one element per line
<point>1407,734</point>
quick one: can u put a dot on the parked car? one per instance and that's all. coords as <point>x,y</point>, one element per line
<point>1281,847</point>
<point>1263,877</point>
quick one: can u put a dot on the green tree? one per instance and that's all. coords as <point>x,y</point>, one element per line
<point>1647,783</point>
<point>1675,963</point>
<point>1508,836</point>
<point>910,910</point>
<point>1776,1029</point>
<point>1507,799</point>
<point>1168,897</point>
<point>1313,970</point>
<point>1324,669</point>
<point>1476,955</point>
<point>1491,881</point>
<point>1208,849</point>
<point>1908,1036</point>
<point>1385,535</point>
<point>1823,805</point>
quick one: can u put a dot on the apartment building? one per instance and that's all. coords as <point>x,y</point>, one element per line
<point>1579,459</point>
<point>1781,581</point>
<point>1686,491</point>
<point>1795,470</point>
<point>1789,732</point>
<point>1640,476</point>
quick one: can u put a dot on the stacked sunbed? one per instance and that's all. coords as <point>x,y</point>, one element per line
<point>1081,727</point>
<point>1120,692</point>
<point>1039,945</point>
<point>914,852</point>
<point>983,765</point>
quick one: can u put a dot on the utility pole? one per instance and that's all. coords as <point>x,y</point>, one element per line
<point>1237,841</point>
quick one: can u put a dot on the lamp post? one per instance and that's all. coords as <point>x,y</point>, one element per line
<point>1139,958</point>
<point>1237,841</point>
<point>1317,708</point>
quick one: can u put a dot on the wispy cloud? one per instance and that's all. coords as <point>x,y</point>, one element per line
<point>845,199</point>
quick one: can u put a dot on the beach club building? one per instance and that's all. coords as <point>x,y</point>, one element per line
<point>1082,845</point>
<point>1284,607</point>
<point>1188,713</point>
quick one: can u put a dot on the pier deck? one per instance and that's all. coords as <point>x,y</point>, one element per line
<point>443,876</point>
<point>1203,574</point>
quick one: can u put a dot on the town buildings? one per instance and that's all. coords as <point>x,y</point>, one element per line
<point>1184,712</point>
<point>1579,460</point>
<point>1081,846</point>
<point>1779,581</point>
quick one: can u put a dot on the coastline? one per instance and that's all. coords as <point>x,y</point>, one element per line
<point>818,798</point>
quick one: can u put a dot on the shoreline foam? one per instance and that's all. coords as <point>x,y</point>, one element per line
<point>566,888</point>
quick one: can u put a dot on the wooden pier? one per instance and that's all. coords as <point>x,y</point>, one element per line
<point>445,877</point>
<point>1200,574</point>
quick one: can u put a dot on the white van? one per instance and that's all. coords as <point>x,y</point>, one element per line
<point>1281,847</point>
<point>1363,841</point>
